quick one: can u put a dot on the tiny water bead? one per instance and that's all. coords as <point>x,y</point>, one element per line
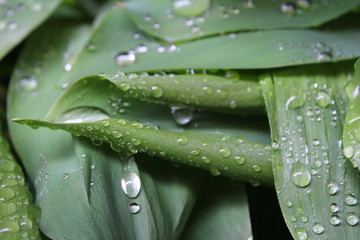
<point>190,8</point>
<point>324,56</point>
<point>125,59</point>
<point>334,208</point>
<point>134,208</point>
<point>28,84</point>
<point>300,175</point>
<point>256,168</point>
<point>131,184</point>
<point>182,115</point>
<point>318,228</point>
<point>156,91</point>
<point>335,220</point>
<point>350,200</point>
<point>68,67</point>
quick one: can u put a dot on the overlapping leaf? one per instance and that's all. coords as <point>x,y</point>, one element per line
<point>183,20</point>
<point>317,189</point>
<point>18,18</point>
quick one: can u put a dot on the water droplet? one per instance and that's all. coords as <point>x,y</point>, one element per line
<point>301,233</point>
<point>137,125</point>
<point>28,84</point>
<point>156,25</point>
<point>131,184</point>
<point>350,200</point>
<point>12,26</point>
<point>324,56</point>
<point>332,188</point>
<point>66,176</point>
<point>214,171</point>
<point>124,86</point>
<point>105,123</point>
<point>322,99</point>
<point>334,208</point>
<point>352,219</point>
<point>205,160</point>
<point>141,49</point>
<point>300,175</point>
<point>96,142</point>
<point>190,8</point>
<point>182,140</point>
<point>122,122</point>
<point>232,75</point>
<point>288,8</point>
<point>348,151</point>
<point>289,204</point>
<point>248,4</point>
<point>134,208</point>
<point>125,59</point>
<point>68,67</point>
<point>239,160</point>
<point>318,228</point>
<point>157,91</point>
<point>295,101</point>
<point>37,6</point>
<point>335,220</point>
<point>304,4</point>
<point>195,152</point>
<point>316,142</point>
<point>181,115</point>
<point>256,168</point>
<point>225,152</point>
<point>116,134</point>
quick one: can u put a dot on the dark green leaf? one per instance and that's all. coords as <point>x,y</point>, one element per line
<point>174,21</point>
<point>317,189</point>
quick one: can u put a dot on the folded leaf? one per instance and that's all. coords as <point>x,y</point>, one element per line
<point>317,189</point>
<point>19,18</point>
<point>351,137</point>
<point>183,20</point>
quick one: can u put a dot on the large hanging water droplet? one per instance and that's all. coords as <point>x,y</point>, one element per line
<point>181,115</point>
<point>190,8</point>
<point>125,59</point>
<point>131,184</point>
<point>300,175</point>
<point>318,228</point>
<point>134,208</point>
<point>322,99</point>
<point>214,171</point>
<point>352,219</point>
<point>28,84</point>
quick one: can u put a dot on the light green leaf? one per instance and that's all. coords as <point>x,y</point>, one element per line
<point>18,216</point>
<point>183,20</point>
<point>317,189</point>
<point>220,213</point>
<point>351,138</point>
<point>231,156</point>
<point>70,174</point>
<point>19,18</point>
<point>210,92</point>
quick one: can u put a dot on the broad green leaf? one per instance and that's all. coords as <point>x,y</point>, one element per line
<point>70,174</point>
<point>221,212</point>
<point>19,18</point>
<point>18,216</point>
<point>317,189</point>
<point>185,19</point>
<point>351,138</point>
<point>228,155</point>
<point>199,91</point>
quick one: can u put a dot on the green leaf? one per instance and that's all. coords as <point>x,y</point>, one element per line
<point>208,92</point>
<point>70,174</point>
<point>18,216</point>
<point>317,189</point>
<point>231,156</point>
<point>221,212</point>
<point>351,137</point>
<point>19,18</point>
<point>175,21</point>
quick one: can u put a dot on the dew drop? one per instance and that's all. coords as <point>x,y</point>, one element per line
<point>68,67</point>
<point>195,152</point>
<point>301,233</point>
<point>352,219</point>
<point>256,168</point>
<point>131,184</point>
<point>12,26</point>
<point>334,208</point>
<point>125,59</point>
<point>156,91</point>
<point>105,123</point>
<point>288,8</point>
<point>96,142</point>
<point>182,140</point>
<point>332,188</point>
<point>295,101</point>
<point>348,151</point>
<point>121,122</point>
<point>28,84</point>
<point>335,220</point>
<point>324,56</point>
<point>141,49</point>
<point>300,175</point>
<point>350,200</point>
<point>239,160</point>
<point>304,4</point>
<point>322,99</point>
<point>124,86</point>
<point>316,142</point>
<point>205,160</point>
<point>116,134</point>
<point>190,8</point>
<point>66,176</point>
<point>225,152</point>
<point>214,171</point>
<point>134,208</point>
<point>181,115</point>
<point>318,228</point>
